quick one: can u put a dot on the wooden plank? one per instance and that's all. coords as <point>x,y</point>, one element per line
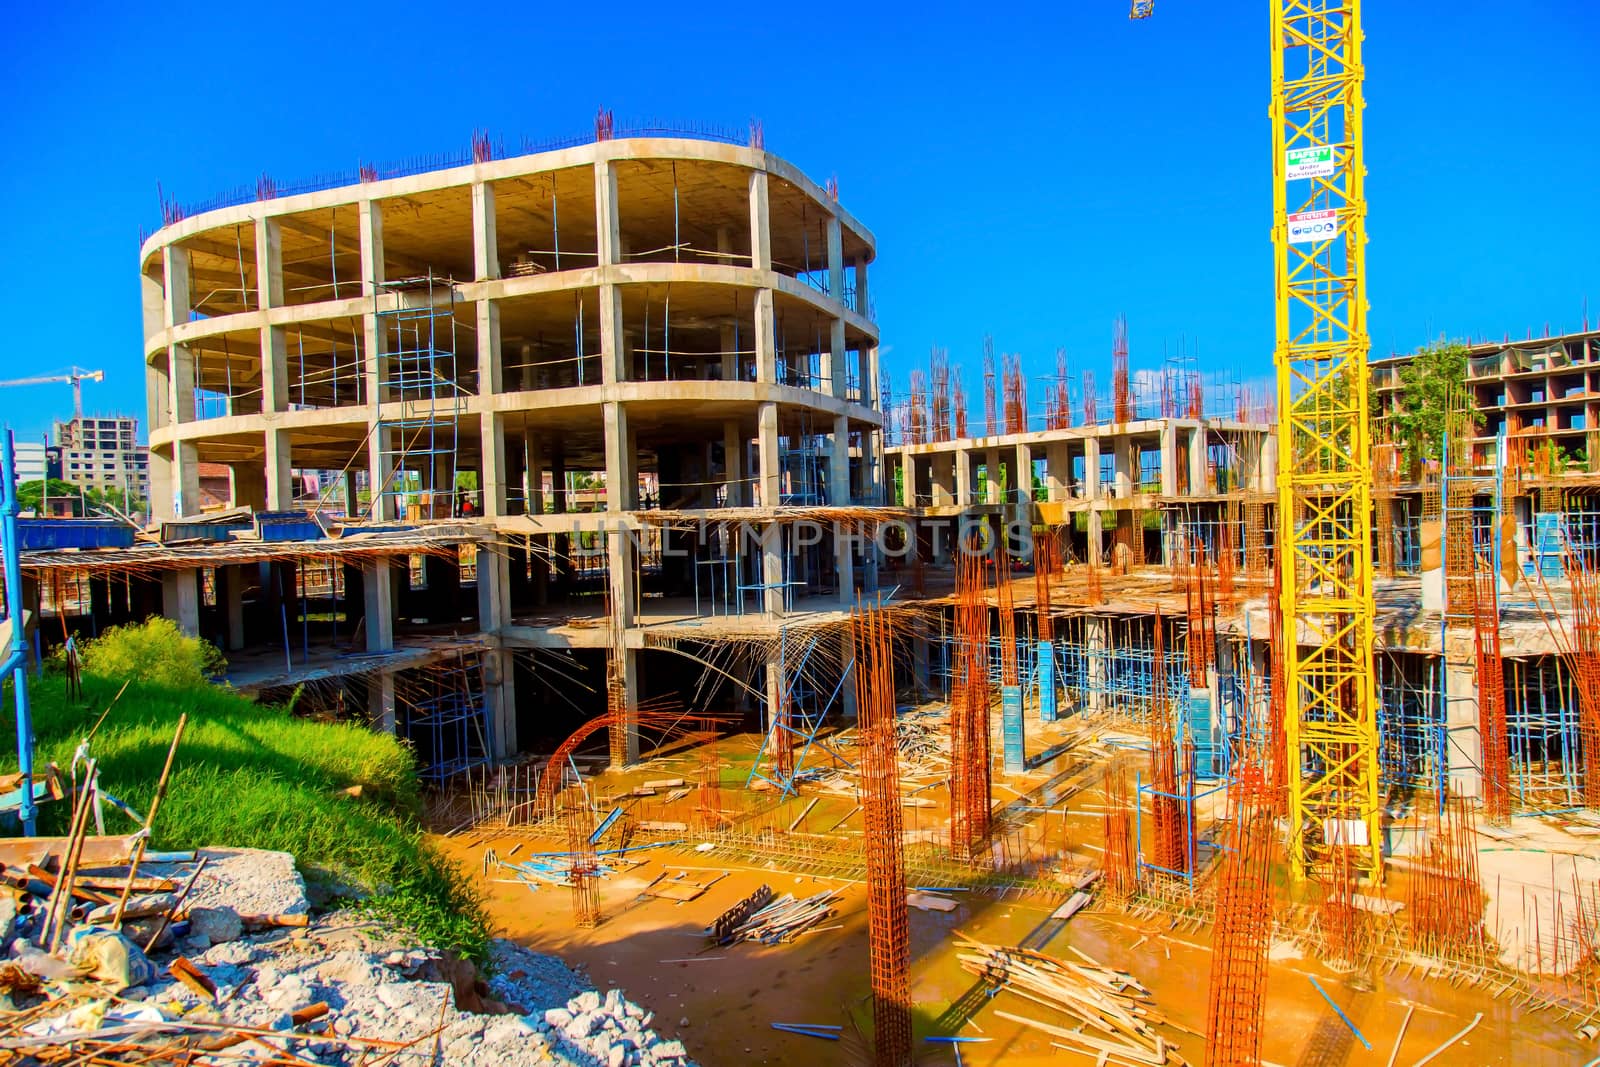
<point>97,851</point>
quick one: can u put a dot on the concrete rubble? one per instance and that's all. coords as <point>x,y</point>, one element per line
<point>350,985</point>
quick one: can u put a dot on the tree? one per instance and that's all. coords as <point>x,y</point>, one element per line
<point>30,497</point>
<point>1433,381</point>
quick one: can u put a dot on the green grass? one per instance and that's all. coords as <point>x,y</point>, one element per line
<point>254,776</point>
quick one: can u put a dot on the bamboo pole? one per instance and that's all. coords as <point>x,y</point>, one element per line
<point>149,821</point>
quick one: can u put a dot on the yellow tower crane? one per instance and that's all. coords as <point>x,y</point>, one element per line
<point>1324,538</point>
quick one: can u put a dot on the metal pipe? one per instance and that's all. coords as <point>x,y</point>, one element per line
<point>16,662</point>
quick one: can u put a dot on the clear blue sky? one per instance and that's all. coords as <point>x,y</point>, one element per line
<point>1029,175</point>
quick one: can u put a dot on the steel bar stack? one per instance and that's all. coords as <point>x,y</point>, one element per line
<point>888,927</point>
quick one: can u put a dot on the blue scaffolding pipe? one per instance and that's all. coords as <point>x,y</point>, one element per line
<point>17,659</point>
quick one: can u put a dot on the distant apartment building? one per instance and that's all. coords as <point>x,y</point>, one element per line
<point>104,453</point>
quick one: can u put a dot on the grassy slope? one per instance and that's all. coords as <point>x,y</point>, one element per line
<point>253,776</point>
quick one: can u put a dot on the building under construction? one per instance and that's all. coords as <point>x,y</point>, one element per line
<point>577,469</point>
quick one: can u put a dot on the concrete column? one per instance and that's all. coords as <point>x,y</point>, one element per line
<point>613,340</point>
<point>630,690</point>
<point>380,469</point>
<point>158,394</point>
<point>733,448</point>
<point>269,264</point>
<point>1197,460</point>
<point>992,489</point>
<point>352,502</point>
<point>1122,450</point>
<point>535,475</point>
<point>771,476</point>
<point>1095,526</point>
<point>772,568</point>
<point>963,478</point>
<point>485,252</point>
<point>608,224</point>
<point>835,258</point>
<point>491,378</point>
<point>941,478</point>
<point>185,479</point>
<point>1091,467</point>
<point>1463,742</point>
<point>231,583</point>
<point>380,701</point>
<point>760,228</point>
<point>619,560</point>
<point>1057,471</point>
<point>1023,481</point>
<point>621,482</point>
<point>377,595</point>
<point>839,463</point>
<point>492,464</point>
<point>494,612</point>
<point>180,599</point>
<point>181,402</point>
<point>153,303</point>
<point>766,345</point>
<point>1096,642</point>
<point>1169,458</point>
<point>274,369</point>
<point>863,304</point>
<point>175,271</point>
<point>728,359</point>
<point>838,365</point>
<point>280,475</point>
<point>372,276</point>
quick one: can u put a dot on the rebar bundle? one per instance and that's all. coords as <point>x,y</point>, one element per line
<point>969,713</point>
<point>584,874</point>
<point>991,410</point>
<point>1122,397</point>
<point>917,411</point>
<point>1046,559</point>
<point>1091,409</point>
<point>939,393</point>
<point>1170,829</point>
<point>1202,636</point>
<point>888,928</point>
<point>1016,397</point>
<point>1491,698</point>
<point>1058,401</point>
<point>1255,538</point>
<point>1197,403</point>
<point>1339,919</point>
<point>1586,670</point>
<point>1277,762</point>
<point>1121,878</point>
<point>958,392</point>
<point>1243,928</point>
<point>1445,902</point>
<point>1227,559</point>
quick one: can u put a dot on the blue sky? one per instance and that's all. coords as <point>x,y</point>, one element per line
<point>1030,175</point>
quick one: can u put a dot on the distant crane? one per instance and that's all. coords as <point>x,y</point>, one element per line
<point>77,376</point>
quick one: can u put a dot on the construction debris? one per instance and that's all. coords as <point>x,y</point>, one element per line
<point>1113,1013</point>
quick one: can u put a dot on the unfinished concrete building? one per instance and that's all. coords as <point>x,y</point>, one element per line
<point>566,404</point>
